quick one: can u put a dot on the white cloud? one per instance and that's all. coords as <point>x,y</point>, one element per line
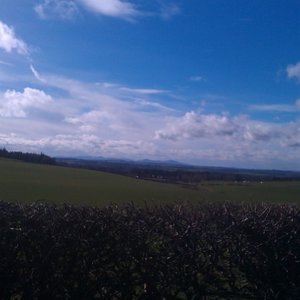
<point>9,41</point>
<point>254,131</point>
<point>107,108</point>
<point>81,143</point>
<point>218,139</point>
<point>193,126</point>
<point>233,130</point>
<point>16,104</point>
<point>64,9</point>
<point>83,117</point>
<point>112,8</point>
<point>293,71</point>
<point>119,121</point>
<point>297,103</point>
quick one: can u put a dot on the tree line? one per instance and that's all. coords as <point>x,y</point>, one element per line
<point>40,158</point>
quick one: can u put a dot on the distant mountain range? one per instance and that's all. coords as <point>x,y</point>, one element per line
<point>172,170</point>
<point>124,160</point>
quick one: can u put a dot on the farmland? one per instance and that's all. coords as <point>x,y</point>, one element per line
<point>26,182</point>
<point>86,241</point>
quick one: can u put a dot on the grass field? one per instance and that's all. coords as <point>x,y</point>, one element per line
<point>25,182</point>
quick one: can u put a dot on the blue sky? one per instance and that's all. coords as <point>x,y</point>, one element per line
<point>213,82</point>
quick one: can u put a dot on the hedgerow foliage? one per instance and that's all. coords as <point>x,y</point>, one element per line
<point>217,251</point>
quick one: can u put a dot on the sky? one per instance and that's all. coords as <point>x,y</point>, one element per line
<point>212,82</point>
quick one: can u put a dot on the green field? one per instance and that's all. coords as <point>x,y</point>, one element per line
<point>25,182</point>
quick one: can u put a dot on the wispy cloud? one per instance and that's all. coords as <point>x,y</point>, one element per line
<point>293,71</point>
<point>168,10</point>
<point>275,107</point>
<point>144,91</point>
<point>123,9</point>
<point>5,63</point>
<point>64,9</point>
<point>197,78</point>
<point>112,8</point>
<point>152,104</point>
<point>9,41</point>
<point>92,101</point>
<point>36,74</point>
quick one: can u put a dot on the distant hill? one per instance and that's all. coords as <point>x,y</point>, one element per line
<point>161,162</point>
<point>176,172</point>
<point>123,160</point>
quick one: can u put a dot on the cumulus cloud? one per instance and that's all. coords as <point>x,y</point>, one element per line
<point>112,8</point>
<point>64,9</point>
<point>16,104</point>
<point>9,42</point>
<point>235,130</point>
<point>293,71</point>
<point>193,126</point>
<point>255,131</point>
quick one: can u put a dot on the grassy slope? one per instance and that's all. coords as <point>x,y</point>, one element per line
<point>276,191</point>
<point>26,182</point>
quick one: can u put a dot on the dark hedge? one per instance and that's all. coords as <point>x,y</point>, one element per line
<point>217,251</point>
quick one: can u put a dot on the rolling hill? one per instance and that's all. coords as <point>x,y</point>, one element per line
<point>26,182</point>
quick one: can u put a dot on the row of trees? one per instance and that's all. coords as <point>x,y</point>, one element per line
<point>28,157</point>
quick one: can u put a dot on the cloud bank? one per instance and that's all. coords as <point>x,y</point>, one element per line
<point>237,129</point>
<point>114,120</point>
